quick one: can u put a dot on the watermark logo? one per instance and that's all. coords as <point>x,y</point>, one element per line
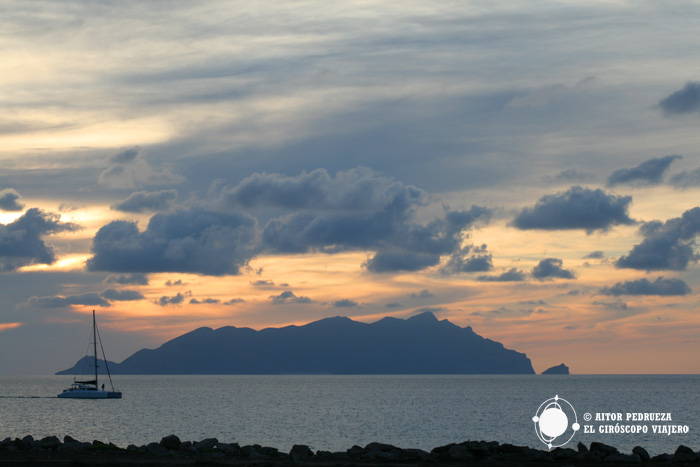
<point>556,422</point>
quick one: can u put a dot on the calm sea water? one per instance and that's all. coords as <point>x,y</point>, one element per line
<point>336,412</point>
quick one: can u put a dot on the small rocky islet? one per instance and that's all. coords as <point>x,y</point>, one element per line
<point>172,451</point>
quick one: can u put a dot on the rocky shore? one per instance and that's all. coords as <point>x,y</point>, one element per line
<point>171,451</point>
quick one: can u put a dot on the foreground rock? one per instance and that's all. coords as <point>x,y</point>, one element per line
<point>172,451</point>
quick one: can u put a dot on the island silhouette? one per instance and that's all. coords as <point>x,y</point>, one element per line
<point>421,344</point>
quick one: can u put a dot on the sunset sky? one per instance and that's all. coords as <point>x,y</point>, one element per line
<point>530,169</point>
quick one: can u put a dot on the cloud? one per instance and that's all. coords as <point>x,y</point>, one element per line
<point>141,201</point>
<point>577,208</point>
<point>122,295</point>
<point>130,169</point>
<point>683,101</point>
<point>124,279</point>
<point>666,246</point>
<point>356,209</point>
<point>649,172</point>
<point>550,268</point>
<point>234,301</point>
<point>194,241</point>
<point>572,175</point>
<point>177,299</point>
<point>207,301</point>
<point>263,283</point>
<point>598,254</point>
<point>512,275</point>
<point>393,305</point>
<point>22,241</point>
<point>425,293</point>
<point>345,303</point>
<point>460,261</point>
<point>686,179</point>
<point>58,301</point>
<point>400,260</point>
<point>102,299</point>
<point>288,297</point>
<point>358,189</point>
<point>618,305</point>
<point>660,286</point>
<point>8,200</point>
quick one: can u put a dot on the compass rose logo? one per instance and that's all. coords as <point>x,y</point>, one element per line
<point>552,422</point>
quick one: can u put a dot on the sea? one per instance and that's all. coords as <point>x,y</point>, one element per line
<point>333,413</point>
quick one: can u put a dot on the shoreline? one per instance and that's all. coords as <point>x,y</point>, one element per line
<point>171,451</point>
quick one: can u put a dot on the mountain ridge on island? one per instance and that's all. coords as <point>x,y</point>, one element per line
<point>421,344</point>
<point>560,369</point>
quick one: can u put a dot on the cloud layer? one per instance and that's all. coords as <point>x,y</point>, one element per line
<point>194,240</point>
<point>23,242</point>
<point>685,100</point>
<point>649,172</point>
<point>660,286</point>
<point>667,245</point>
<point>577,208</point>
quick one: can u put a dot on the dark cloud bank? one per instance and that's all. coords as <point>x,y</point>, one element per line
<point>649,172</point>
<point>683,101</point>
<point>660,286</point>
<point>576,208</point>
<point>141,201</point>
<point>8,200</point>
<point>546,269</point>
<point>22,242</point>
<point>355,210</point>
<point>667,245</point>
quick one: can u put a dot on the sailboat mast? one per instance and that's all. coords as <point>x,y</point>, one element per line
<point>94,335</point>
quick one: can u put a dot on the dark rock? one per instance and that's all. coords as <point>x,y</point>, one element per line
<point>171,443</point>
<point>460,452</point>
<point>507,448</point>
<point>618,458</point>
<point>564,454</point>
<point>301,451</point>
<point>481,449</point>
<point>206,444</point>
<point>228,448</point>
<point>132,447</point>
<point>382,451</point>
<point>684,454</point>
<point>602,450</point>
<point>684,450</point>
<point>581,447</point>
<point>442,450</point>
<point>157,449</point>
<point>269,452</point>
<point>641,452</point>
<point>662,458</point>
<point>73,446</point>
<point>69,439</point>
<point>29,442</point>
<point>253,451</point>
<point>355,451</point>
<point>413,453</point>
<point>50,443</point>
<point>588,458</point>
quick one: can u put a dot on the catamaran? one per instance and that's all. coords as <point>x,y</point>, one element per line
<point>90,389</point>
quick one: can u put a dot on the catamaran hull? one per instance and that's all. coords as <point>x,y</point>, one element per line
<point>86,394</point>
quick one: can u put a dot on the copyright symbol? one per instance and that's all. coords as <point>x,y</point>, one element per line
<point>587,417</point>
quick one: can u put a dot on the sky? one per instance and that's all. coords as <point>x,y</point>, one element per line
<point>529,169</point>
